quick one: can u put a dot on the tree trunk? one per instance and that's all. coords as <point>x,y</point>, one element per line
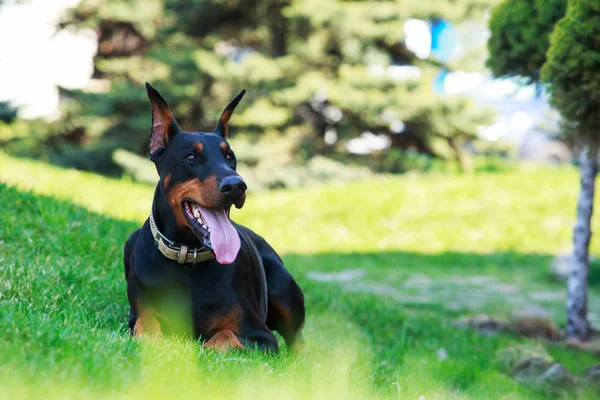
<point>278,28</point>
<point>578,326</point>
<point>463,165</point>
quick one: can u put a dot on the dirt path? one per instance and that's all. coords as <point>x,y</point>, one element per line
<point>470,294</point>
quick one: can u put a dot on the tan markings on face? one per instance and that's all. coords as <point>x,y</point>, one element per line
<point>199,146</point>
<point>224,146</point>
<point>228,321</point>
<point>206,193</point>
<point>166,181</point>
<point>223,341</point>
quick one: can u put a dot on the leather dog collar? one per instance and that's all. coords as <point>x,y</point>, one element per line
<point>182,254</point>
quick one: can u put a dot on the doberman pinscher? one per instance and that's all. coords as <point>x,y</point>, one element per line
<point>190,269</point>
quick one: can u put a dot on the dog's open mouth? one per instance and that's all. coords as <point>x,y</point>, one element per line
<point>214,229</point>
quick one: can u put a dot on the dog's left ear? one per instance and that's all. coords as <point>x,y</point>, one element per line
<point>221,128</point>
<point>164,126</point>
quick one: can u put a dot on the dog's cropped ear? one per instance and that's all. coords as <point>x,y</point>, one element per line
<point>221,128</point>
<point>164,126</point>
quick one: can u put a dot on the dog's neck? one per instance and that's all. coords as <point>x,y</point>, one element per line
<point>164,217</point>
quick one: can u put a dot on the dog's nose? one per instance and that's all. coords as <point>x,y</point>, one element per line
<point>233,187</point>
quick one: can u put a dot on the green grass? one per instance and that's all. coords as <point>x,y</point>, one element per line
<point>428,248</point>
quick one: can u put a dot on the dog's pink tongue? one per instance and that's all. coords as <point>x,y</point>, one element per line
<point>223,236</point>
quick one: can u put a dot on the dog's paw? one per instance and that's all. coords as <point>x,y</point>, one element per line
<point>223,341</point>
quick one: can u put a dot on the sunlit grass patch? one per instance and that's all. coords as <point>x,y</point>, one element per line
<point>529,209</point>
<point>332,363</point>
<point>113,197</point>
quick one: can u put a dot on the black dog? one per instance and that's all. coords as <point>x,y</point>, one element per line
<point>190,269</point>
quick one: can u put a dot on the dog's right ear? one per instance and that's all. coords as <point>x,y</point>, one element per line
<point>164,126</point>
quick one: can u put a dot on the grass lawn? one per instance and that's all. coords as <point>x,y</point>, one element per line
<point>385,265</point>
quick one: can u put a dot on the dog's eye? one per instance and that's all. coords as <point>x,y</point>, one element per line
<point>190,157</point>
<point>230,157</point>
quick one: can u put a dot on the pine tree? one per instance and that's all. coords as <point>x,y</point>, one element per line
<point>304,63</point>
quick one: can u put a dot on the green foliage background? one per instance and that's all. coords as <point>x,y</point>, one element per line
<point>531,39</point>
<point>520,31</point>
<point>573,69</point>
<point>305,64</point>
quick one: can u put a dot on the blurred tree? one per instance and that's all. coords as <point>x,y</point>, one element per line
<point>455,121</point>
<point>520,31</point>
<point>572,72</point>
<point>313,66</point>
<point>8,113</point>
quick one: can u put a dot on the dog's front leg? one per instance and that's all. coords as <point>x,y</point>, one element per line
<point>147,325</point>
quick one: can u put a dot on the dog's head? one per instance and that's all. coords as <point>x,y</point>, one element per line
<point>198,176</point>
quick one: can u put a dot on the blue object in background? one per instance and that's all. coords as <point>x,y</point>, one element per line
<point>437,86</point>
<point>444,40</point>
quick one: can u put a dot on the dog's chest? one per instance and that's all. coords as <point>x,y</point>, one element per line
<point>202,301</point>
<point>199,310</point>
